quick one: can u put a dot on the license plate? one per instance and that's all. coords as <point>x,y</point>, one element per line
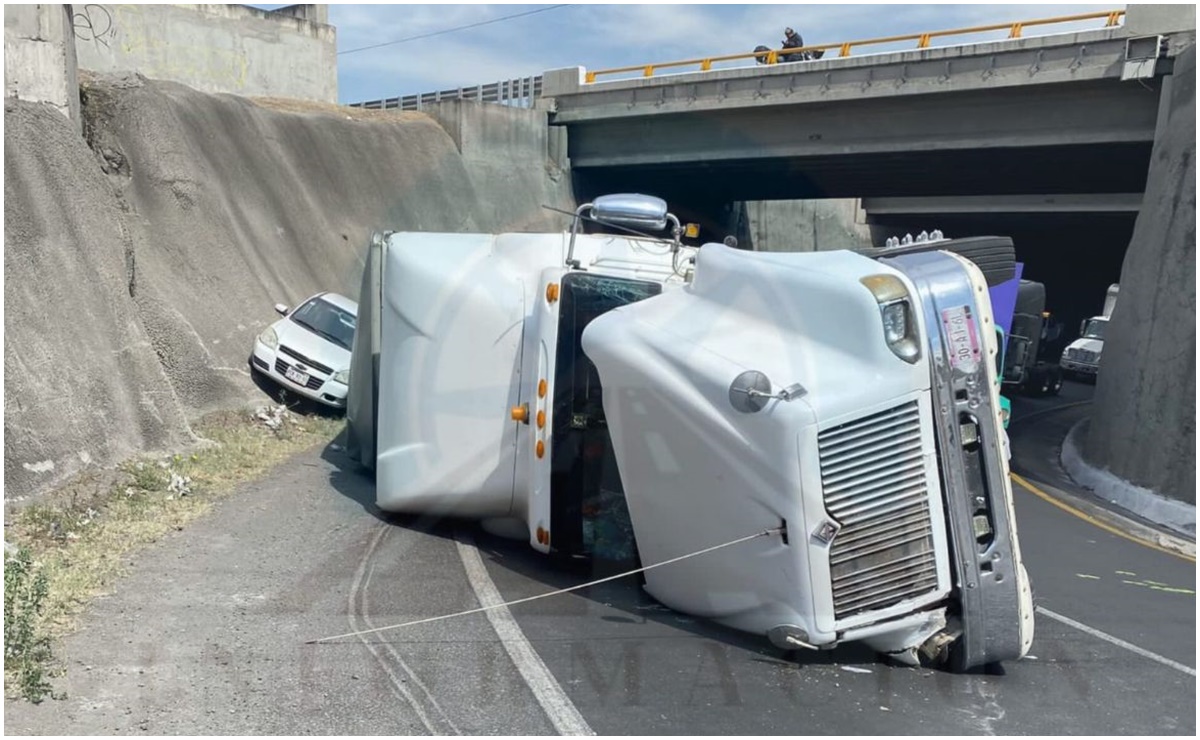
<point>962,338</point>
<point>296,377</point>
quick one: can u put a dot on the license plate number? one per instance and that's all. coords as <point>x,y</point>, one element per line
<point>962,338</point>
<point>296,377</point>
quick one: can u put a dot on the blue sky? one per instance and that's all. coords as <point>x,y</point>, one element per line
<point>606,36</point>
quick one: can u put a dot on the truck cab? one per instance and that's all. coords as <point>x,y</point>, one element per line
<point>1081,358</point>
<point>632,396</point>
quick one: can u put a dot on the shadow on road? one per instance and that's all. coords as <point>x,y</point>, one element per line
<point>357,483</point>
<point>639,608</point>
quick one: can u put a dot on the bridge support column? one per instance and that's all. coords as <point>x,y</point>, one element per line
<point>806,225</point>
<point>1143,427</point>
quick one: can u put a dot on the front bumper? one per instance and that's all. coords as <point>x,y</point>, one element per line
<point>996,611</point>
<point>320,386</point>
<point>1076,366</point>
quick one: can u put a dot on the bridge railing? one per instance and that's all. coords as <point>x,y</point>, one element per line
<point>845,48</point>
<point>519,92</point>
<point>522,92</point>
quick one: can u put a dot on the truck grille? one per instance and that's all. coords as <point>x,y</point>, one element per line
<point>873,476</point>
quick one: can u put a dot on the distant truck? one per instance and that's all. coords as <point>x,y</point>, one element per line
<point>834,414</point>
<point>1025,368</point>
<point>1081,358</point>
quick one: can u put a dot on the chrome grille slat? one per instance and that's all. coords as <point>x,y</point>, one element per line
<point>853,430</point>
<point>844,459</point>
<point>890,596</point>
<point>868,590</point>
<point>883,545</point>
<point>875,487</point>
<point>835,503</point>
<point>872,510</point>
<point>879,463</point>
<point>882,526</point>
<point>880,574</point>
<point>857,482</point>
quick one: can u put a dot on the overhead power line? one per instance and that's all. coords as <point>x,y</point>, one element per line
<point>452,30</point>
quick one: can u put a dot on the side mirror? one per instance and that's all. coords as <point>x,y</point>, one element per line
<point>1082,327</point>
<point>281,309</point>
<point>629,209</point>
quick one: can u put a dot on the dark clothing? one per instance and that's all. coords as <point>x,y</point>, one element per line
<point>792,42</point>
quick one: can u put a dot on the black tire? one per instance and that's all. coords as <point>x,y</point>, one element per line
<point>995,256</point>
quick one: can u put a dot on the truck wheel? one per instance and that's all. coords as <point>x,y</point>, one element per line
<point>995,256</point>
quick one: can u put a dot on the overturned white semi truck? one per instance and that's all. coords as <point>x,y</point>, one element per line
<point>844,401</point>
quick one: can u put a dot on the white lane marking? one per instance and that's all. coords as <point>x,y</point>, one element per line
<point>555,703</point>
<point>1117,641</point>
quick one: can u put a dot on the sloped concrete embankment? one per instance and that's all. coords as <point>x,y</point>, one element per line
<point>139,274</point>
<point>1144,426</point>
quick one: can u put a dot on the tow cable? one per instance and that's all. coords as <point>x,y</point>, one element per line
<point>747,538</point>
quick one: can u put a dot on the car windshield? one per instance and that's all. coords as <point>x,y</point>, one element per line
<point>327,320</point>
<point>1094,329</point>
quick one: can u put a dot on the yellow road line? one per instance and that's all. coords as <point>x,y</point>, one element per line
<point>1096,522</point>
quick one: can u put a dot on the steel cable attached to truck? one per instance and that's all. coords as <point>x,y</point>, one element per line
<point>756,535</point>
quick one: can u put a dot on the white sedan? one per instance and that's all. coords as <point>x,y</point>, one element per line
<point>308,351</point>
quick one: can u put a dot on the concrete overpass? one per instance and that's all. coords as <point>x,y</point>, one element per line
<point>1071,114</point>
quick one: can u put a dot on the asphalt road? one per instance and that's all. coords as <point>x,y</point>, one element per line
<point>207,634</point>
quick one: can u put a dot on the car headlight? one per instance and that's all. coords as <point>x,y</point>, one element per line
<point>342,376</point>
<point>895,310</point>
<point>269,337</point>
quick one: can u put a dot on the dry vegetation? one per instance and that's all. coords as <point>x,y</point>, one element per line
<point>71,548</point>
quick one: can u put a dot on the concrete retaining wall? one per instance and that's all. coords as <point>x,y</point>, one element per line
<point>213,48</point>
<point>1144,426</point>
<point>140,270</point>
<point>496,143</point>
<point>39,57</point>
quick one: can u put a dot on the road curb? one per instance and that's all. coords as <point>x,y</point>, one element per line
<point>1177,516</point>
<point>1109,520</point>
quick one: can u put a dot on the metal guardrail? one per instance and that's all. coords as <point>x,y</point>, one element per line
<point>519,93</point>
<point>1112,18</point>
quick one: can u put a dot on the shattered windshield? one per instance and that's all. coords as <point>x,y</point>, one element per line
<point>327,320</point>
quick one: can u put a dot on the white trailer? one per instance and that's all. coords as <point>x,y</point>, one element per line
<point>845,403</point>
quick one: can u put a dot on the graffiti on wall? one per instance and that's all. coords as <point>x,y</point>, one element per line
<point>217,49</point>
<point>94,23</point>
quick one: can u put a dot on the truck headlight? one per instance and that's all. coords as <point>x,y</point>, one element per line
<point>895,310</point>
<point>342,376</point>
<point>269,337</point>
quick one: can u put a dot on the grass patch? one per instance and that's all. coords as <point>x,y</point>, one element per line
<point>72,548</point>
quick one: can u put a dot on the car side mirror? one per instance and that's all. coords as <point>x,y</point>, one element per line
<point>1082,327</point>
<point>281,309</point>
